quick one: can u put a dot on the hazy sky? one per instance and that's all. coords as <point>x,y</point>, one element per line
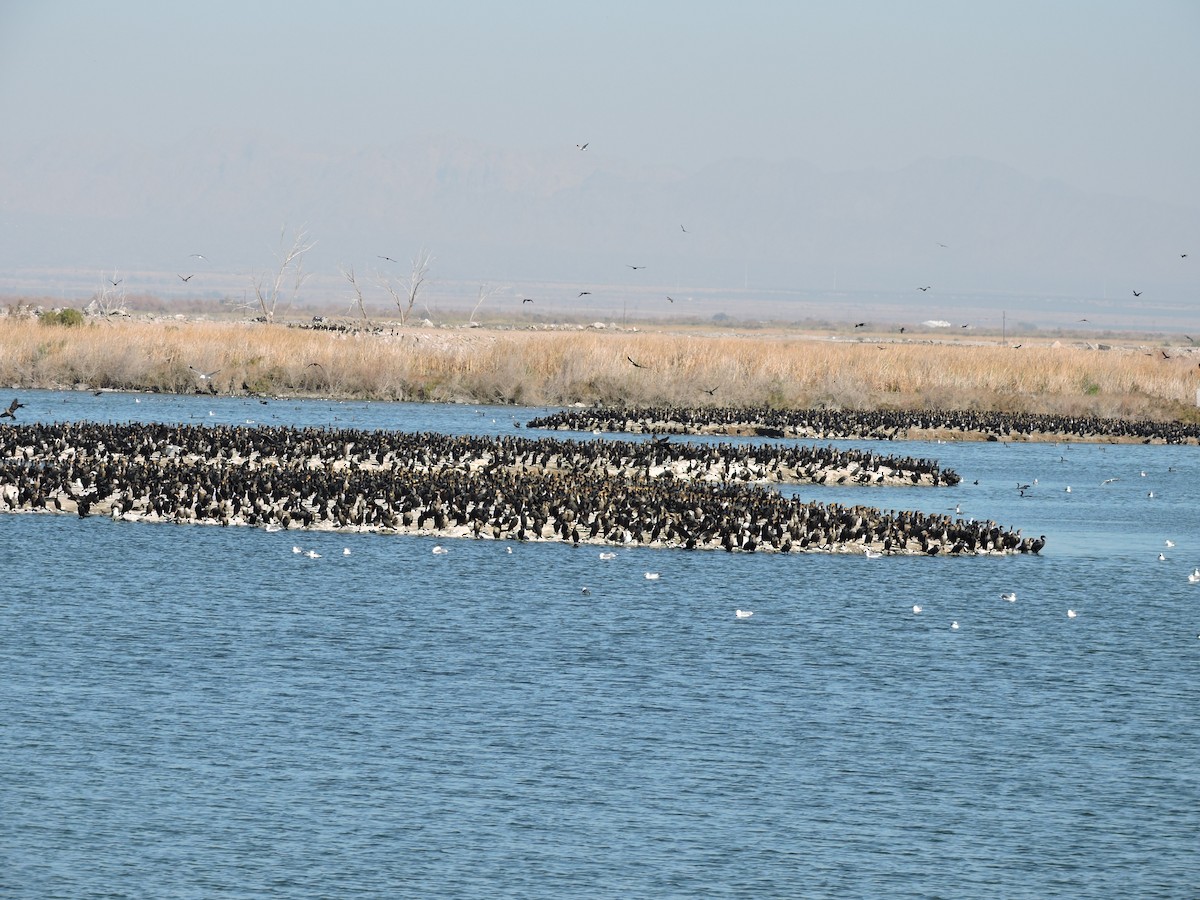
<point>1104,95</point>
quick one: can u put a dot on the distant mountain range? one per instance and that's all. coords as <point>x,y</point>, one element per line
<point>580,217</point>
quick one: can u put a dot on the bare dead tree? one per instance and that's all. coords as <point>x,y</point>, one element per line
<point>110,299</point>
<point>405,295</point>
<point>268,288</point>
<point>348,274</point>
<point>485,291</point>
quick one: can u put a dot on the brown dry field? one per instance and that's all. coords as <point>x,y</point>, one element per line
<point>676,365</point>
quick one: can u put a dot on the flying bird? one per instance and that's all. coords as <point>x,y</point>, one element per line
<point>582,146</point>
<point>203,376</point>
<point>940,244</point>
<point>670,299</point>
<point>635,268</point>
<point>198,256</point>
<point>11,412</point>
<point>927,287</point>
<point>186,278</point>
<point>859,324</point>
<point>526,300</point>
<point>115,283</point>
<point>1137,293</point>
<point>902,329</point>
<point>684,230</point>
<point>584,293</point>
<point>636,364</point>
<point>710,391</point>
<point>388,258</point>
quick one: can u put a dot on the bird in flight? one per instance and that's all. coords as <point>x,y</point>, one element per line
<point>388,258</point>
<point>927,287</point>
<point>584,293</point>
<point>1137,293</point>
<point>582,146</point>
<point>685,231</point>
<point>940,244</point>
<point>670,299</point>
<point>198,256</point>
<point>637,365</point>
<point>859,324</point>
<point>1183,256</point>
<point>115,283</point>
<point>11,412</point>
<point>186,278</point>
<point>203,376</point>
<point>526,300</point>
<point>635,268</point>
<point>709,391</point>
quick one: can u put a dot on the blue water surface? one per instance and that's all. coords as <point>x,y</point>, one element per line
<point>190,711</point>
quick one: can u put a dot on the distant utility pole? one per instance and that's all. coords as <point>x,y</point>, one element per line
<point>1004,328</point>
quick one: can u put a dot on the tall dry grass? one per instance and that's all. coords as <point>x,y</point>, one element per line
<point>563,367</point>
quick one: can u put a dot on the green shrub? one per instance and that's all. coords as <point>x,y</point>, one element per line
<point>67,317</point>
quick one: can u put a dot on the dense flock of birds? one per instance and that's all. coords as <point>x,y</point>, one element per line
<point>652,493</point>
<point>850,424</point>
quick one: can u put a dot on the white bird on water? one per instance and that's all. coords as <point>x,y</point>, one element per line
<point>1194,578</point>
<point>1010,596</point>
<point>954,626</point>
<point>440,551</point>
<point>917,609</point>
<point>345,551</point>
<point>313,554</point>
<point>1071,613</point>
<point>1162,558</point>
<point>743,613</point>
<point>1169,543</point>
<point>296,549</point>
<point>652,576</point>
<point>608,556</point>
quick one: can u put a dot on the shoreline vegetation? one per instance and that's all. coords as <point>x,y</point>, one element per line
<point>652,493</point>
<point>690,369</point>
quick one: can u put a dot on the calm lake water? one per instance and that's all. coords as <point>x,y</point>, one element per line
<point>201,712</point>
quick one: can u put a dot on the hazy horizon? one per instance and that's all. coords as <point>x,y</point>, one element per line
<point>1040,152</point>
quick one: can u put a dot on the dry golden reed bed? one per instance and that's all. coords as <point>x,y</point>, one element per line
<point>564,367</point>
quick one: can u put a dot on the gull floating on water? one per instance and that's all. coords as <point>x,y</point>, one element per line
<point>652,576</point>
<point>296,549</point>
<point>440,550</point>
<point>608,556</point>
<point>916,609</point>
<point>1170,543</point>
<point>1071,613</point>
<point>743,613</point>
<point>345,551</point>
<point>313,554</point>
<point>1194,578</point>
<point>1162,558</point>
<point>954,626</point>
<point>1010,596</point>
<point>873,554</point>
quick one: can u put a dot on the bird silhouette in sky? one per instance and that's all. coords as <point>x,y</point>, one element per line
<point>186,278</point>
<point>581,146</point>
<point>1137,293</point>
<point>635,268</point>
<point>927,287</point>
<point>388,258</point>
<point>526,300</point>
<point>584,293</point>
